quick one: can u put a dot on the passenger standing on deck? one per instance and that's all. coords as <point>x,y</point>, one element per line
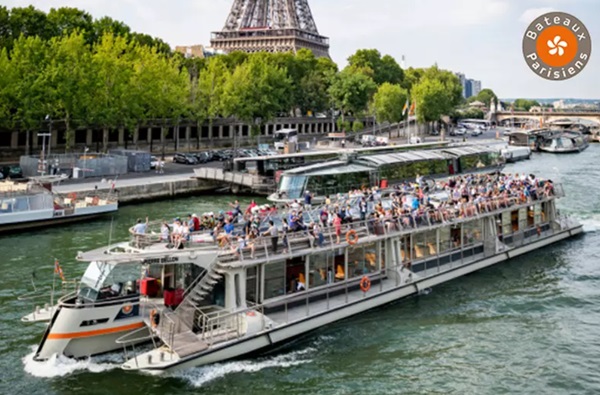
<point>337,223</point>
<point>308,200</point>
<point>273,231</point>
<point>140,227</point>
<point>285,230</point>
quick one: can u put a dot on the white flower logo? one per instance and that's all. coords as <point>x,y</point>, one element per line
<point>557,46</point>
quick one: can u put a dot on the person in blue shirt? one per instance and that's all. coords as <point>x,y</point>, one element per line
<point>228,227</point>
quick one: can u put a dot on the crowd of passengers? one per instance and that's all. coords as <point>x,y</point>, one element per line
<point>408,205</point>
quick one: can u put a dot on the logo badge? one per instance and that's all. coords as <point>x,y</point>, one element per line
<point>557,46</point>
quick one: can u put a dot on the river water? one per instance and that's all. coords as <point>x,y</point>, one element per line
<point>526,326</point>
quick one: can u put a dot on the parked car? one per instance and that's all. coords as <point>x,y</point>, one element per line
<point>186,159</point>
<point>476,132</point>
<point>460,132</point>
<point>202,157</point>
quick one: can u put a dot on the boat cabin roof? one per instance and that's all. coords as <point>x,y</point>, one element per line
<point>403,157</point>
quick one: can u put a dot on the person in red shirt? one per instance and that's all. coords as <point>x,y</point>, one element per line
<point>196,222</point>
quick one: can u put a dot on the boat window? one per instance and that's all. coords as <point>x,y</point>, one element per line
<point>333,183</point>
<point>237,284</point>
<point>472,232</point>
<point>425,244</point>
<point>6,206</point>
<point>445,239</point>
<point>252,284</point>
<point>362,260</point>
<point>102,280</point>
<point>295,271</point>
<point>405,250</point>
<point>293,186</point>
<point>274,279</point>
<point>406,171</point>
<point>506,223</point>
<point>327,268</point>
<point>382,254</point>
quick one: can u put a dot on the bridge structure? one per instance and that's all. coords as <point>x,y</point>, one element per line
<point>270,26</point>
<point>591,118</point>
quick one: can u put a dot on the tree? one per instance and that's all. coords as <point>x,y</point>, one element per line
<point>486,95</point>
<point>370,62</point>
<point>29,91</point>
<point>110,74</point>
<point>524,104</point>
<point>388,103</point>
<point>411,77</point>
<point>255,92</point>
<point>6,82</point>
<point>351,91</point>
<point>67,76</point>
<point>66,20</point>
<point>207,91</point>
<point>449,80</point>
<point>29,22</point>
<point>432,100</point>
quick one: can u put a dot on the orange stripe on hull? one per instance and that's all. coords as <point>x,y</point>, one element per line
<point>97,332</point>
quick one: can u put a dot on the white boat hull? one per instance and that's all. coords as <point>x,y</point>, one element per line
<point>153,361</point>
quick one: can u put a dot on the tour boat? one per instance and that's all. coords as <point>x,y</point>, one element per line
<point>33,205</point>
<point>564,143</point>
<point>208,303</point>
<point>355,171</point>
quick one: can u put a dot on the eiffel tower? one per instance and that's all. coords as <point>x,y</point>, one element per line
<point>270,26</point>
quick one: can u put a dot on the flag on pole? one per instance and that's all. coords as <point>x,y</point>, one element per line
<point>412,108</point>
<point>58,270</point>
<point>405,108</point>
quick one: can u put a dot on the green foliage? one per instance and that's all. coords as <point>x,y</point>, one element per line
<point>486,95</point>
<point>389,102</point>
<point>256,90</point>
<point>471,113</point>
<point>381,70</point>
<point>524,104</point>
<point>357,126</point>
<point>432,99</point>
<point>351,91</point>
<point>343,125</point>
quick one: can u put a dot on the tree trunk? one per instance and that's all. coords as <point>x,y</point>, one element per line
<point>136,136</point>
<point>198,131</point>
<point>105,139</point>
<point>27,142</point>
<point>163,141</point>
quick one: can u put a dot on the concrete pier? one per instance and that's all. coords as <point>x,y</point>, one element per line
<point>142,189</point>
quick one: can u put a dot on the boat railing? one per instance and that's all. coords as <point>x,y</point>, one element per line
<point>380,225</point>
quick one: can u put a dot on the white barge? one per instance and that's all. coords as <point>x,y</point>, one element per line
<point>207,303</point>
<point>33,205</point>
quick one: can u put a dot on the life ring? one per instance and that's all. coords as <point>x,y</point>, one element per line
<point>127,309</point>
<point>153,322</point>
<point>95,200</point>
<point>72,196</point>
<point>351,237</point>
<point>365,284</point>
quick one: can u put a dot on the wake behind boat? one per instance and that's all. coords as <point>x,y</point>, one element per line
<point>250,286</point>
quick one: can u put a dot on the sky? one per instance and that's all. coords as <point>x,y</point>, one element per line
<point>480,38</point>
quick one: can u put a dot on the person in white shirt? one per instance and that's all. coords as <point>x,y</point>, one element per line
<point>140,227</point>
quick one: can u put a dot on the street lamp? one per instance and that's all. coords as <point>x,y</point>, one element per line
<point>85,150</point>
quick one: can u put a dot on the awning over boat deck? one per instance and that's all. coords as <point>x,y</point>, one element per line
<point>325,167</point>
<point>403,157</point>
<point>351,168</point>
<point>470,150</point>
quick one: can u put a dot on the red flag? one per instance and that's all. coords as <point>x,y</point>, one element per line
<point>58,270</point>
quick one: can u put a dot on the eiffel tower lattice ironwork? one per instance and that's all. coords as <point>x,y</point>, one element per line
<point>270,26</point>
